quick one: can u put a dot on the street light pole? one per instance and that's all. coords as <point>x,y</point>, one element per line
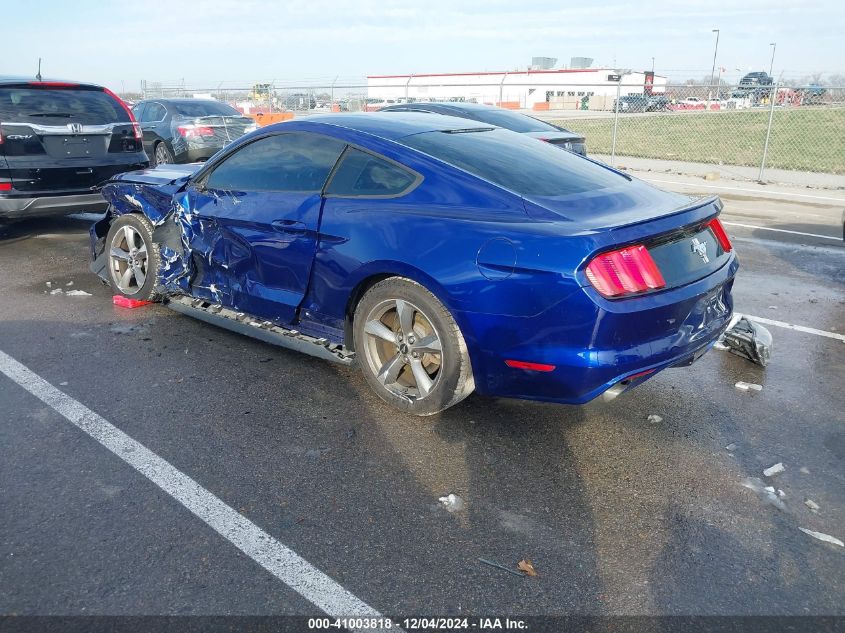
<point>652,65</point>
<point>715,52</point>
<point>774,46</point>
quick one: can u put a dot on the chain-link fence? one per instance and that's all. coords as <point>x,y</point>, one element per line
<point>796,128</point>
<point>753,128</point>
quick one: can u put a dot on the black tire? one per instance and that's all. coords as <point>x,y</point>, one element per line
<point>449,370</point>
<point>161,150</point>
<point>124,253</point>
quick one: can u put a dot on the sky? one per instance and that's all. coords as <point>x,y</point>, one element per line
<point>235,43</point>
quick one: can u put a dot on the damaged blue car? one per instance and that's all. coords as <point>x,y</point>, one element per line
<point>440,255</point>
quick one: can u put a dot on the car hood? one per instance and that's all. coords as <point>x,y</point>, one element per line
<point>556,136</point>
<point>161,174</point>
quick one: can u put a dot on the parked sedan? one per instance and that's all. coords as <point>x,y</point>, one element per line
<point>507,119</point>
<point>58,140</point>
<point>188,130</point>
<point>444,255</point>
<point>632,103</point>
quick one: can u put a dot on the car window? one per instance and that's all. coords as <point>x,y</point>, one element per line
<point>362,174</point>
<point>138,111</point>
<point>60,105</point>
<point>515,161</point>
<point>204,108</point>
<point>154,112</point>
<point>298,161</point>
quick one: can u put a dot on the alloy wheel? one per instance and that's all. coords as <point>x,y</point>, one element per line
<point>403,349</point>
<point>162,155</point>
<point>128,260</point>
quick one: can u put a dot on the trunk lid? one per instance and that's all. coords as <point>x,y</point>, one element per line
<point>223,129</point>
<point>674,228</point>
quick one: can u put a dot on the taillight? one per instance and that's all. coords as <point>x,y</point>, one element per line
<point>189,131</point>
<point>625,271</point>
<point>721,236</point>
<point>136,127</point>
<point>5,186</point>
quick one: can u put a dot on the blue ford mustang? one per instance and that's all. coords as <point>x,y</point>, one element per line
<point>443,255</point>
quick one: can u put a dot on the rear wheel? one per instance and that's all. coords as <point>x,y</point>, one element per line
<point>133,257</point>
<point>162,155</point>
<point>410,348</point>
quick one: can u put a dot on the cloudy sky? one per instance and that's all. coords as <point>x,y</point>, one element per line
<point>120,42</point>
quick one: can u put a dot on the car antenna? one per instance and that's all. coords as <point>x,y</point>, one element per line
<point>38,76</point>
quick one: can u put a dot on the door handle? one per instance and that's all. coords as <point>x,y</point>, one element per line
<point>289,226</point>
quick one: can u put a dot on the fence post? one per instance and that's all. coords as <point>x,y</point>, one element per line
<point>772,98</point>
<point>615,122</point>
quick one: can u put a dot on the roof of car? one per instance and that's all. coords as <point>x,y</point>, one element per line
<point>183,100</point>
<point>394,125</point>
<point>29,79</point>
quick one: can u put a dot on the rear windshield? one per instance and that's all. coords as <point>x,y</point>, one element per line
<point>204,108</point>
<point>520,163</point>
<point>510,120</point>
<point>64,105</point>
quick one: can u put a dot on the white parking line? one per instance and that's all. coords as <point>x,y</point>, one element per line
<point>766,228</point>
<point>797,328</point>
<point>279,560</point>
<point>757,191</point>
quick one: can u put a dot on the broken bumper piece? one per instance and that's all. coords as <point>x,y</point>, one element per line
<point>750,340</point>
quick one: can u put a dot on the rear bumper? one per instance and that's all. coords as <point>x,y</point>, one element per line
<point>197,154</point>
<point>34,206</point>
<point>595,344</point>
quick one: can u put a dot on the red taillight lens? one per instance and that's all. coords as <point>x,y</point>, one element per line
<point>624,271</point>
<point>5,186</point>
<point>189,131</point>
<point>136,128</point>
<point>721,236</point>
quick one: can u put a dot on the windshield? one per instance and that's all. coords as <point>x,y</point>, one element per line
<point>511,121</point>
<point>56,106</point>
<point>522,164</point>
<point>204,108</point>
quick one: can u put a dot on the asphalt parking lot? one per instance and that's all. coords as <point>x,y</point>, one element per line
<point>618,514</point>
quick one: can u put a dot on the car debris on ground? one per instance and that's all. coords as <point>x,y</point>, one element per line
<point>452,502</point>
<point>748,339</point>
<point>827,538</point>
<point>771,471</point>
<point>748,386</point>
<point>766,493</point>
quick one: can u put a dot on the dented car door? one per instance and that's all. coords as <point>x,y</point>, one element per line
<point>257,215</point>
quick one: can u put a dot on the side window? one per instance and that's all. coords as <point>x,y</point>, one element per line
<point>154,112</point>
<point>362,174</point>
<point>298,161</point>
<point>138,111</point>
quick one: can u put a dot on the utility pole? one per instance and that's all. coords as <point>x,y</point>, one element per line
<point>715,52</point>
<point>774,46</point>
<point>652,65</point>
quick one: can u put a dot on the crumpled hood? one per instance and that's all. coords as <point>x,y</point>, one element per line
<point>160,175</point>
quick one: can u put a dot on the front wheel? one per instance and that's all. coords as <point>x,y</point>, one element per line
<point>410,348</point>
<point>133,257</point>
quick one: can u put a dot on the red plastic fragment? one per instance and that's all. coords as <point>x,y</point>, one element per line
<point>126,302</point>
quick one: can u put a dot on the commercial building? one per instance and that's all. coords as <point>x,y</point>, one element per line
<point>587,88</point>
